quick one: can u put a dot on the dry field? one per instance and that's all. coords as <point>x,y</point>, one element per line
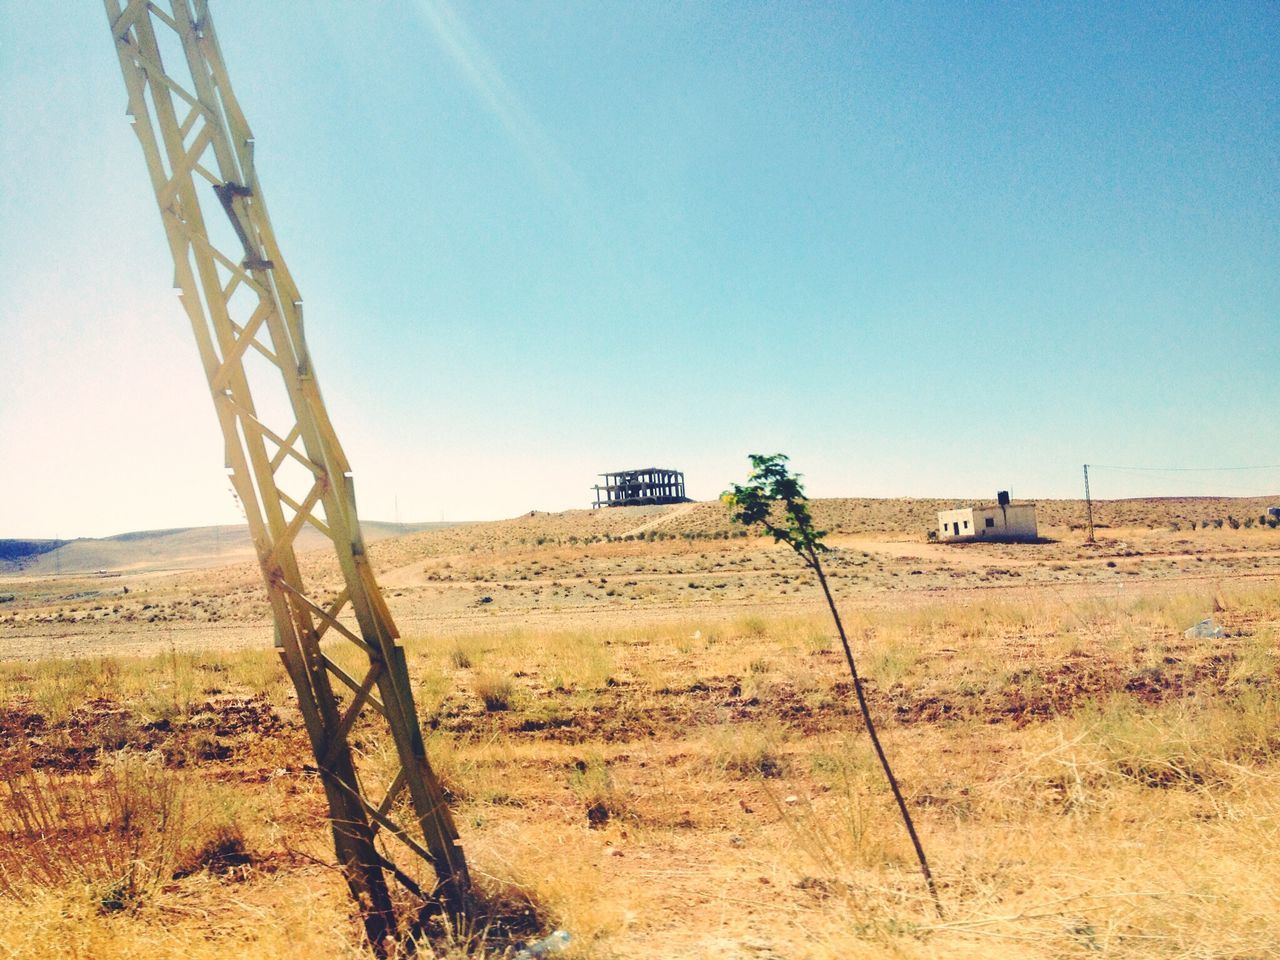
<point>646,728</point>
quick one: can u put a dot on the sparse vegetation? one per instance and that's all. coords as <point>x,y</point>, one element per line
<point>682,770</point>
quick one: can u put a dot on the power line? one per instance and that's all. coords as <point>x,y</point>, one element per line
<point>1187,483</point>
<point>1203,481</point>
<point>1112,466</point>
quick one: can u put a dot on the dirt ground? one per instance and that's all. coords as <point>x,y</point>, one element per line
<point>647,564</point>
<point>675,765</point>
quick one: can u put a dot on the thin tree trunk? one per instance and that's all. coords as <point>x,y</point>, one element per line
<point>875,739</point>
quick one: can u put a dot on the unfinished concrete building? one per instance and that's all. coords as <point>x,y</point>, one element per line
<point>642,487</point>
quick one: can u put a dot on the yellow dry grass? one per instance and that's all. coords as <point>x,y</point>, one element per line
<point>683,774</point>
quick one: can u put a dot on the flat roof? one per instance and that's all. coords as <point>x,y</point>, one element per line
<point>614,473</point>
<point>991,506</point>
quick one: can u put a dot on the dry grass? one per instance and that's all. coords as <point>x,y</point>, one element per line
<point>680,771</point>
<point>119,832</point>
<point>594,568</point>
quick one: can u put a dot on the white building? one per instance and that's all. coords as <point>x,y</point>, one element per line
<point>1001,521</point>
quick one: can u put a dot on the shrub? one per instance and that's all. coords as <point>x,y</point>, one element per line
<point>496,691</point>
<point>119,832</point>
<point>746,752</point>
<point>595,789</point>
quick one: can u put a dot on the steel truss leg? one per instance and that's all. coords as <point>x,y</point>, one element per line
<point>287,469</point>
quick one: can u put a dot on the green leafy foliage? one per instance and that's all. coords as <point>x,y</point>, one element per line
<point>773,499</point>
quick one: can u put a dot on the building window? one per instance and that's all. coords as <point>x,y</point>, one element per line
<point>966,524</point>
<point>991,521</point>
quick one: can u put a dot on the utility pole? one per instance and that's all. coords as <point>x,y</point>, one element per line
<point>288,469</point>
<point>1088,505</point>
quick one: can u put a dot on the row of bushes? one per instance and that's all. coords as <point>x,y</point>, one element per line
<point>1218,522</point>
<point>650,535</point>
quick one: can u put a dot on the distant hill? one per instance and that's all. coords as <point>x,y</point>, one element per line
<point>886,516</point>
<point>19,551</point>
<point>184,548</point>
<point>202,547</point>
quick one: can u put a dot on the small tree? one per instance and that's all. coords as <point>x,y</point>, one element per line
<point>754,503</point>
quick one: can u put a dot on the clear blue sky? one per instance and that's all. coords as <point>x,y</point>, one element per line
<point>925,249</point>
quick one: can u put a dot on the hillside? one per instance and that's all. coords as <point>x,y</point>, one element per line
<point>610,693</point>
<point>195,548</point>
<point>903,517</point>
<point>142,551</point>
<point>24,551</point>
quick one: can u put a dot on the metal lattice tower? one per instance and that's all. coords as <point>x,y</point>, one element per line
<point>285,462</point>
